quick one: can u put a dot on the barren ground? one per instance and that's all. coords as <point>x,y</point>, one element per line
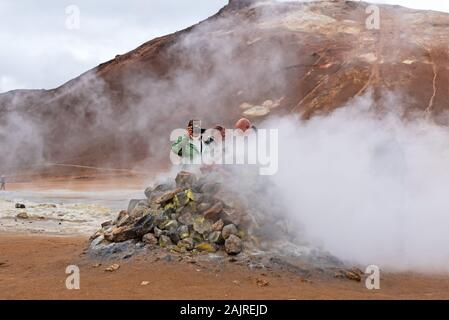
<point>33,267</point>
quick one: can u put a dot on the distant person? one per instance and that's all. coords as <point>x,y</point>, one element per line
<point>245,125</point>
<point>214,152</point>
<point>221,131</point>
<point>214,144</point>
<point>184,146</point>
<point>2,183</point>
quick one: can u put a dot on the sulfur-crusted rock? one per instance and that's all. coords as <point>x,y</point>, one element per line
<point>202,225</point>
<point>205,246</point>
<point>186,243</point>
<point>167,196</point>
<point>182,198</point>
<point>165,241</point>
<point>197,237</point>
<point>183,231</point>
<point>183,216</point>
<point>169,225</point>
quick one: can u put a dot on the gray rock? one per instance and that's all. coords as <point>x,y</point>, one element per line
<point>140,245</point>
<point>122,218</point>
<point>139,212</point>
<point>174,236</point>
<point>160,219</point>
<point>132,204</point>
<point>125,220</point>
<point>182,199</point>
<point>210,188</point>
<point>229,215</point>
<point>183,231</point>
<point>144,225</point>
<point>158,232</point>
<point>218,226</point>
<point>229,230</point>
<point>197,237</point>
<point>191,207</point>
<point>202,225</point>
<point>186,219</point>
<point>20,206</point>
<point>144,203</point>
<point>163,187</point>
<point>186,243</point>
<point>106,224</point>
<point>198,184</point>
<point>165,241</point>
<point>169,225</point>
<point>150,239</point>
<point>185,179</point>
<point>97,241</point>
<point>148,191</point>
<point>233,245</point>
<point>215,237</point>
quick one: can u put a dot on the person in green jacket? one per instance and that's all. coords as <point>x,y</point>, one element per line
<point>185,146</point>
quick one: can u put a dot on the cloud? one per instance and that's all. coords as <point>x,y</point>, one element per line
<point>42,53</point>
<point>436,5</point>
<point>369,189</point>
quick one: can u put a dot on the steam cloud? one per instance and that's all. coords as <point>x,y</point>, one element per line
<point>369,189</point>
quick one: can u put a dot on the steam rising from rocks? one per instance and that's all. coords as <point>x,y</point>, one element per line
<point>370,189</point>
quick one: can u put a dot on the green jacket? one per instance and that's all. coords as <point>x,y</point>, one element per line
<point>184,147</point>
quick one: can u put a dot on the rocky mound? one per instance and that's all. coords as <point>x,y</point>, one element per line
<point>233,214</point>
<point>186,215</point>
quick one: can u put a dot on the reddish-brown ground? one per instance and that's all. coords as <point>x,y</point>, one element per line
<point>33,267</point>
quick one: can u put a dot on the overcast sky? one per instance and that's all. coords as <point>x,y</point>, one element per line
<point>39,51</point>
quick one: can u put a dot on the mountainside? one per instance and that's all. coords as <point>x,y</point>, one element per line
<point>256,58</point>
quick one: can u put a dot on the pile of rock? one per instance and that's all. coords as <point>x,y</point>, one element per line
<point>186,215</point>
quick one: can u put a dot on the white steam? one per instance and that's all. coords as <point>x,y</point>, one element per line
<point>370,190</point>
